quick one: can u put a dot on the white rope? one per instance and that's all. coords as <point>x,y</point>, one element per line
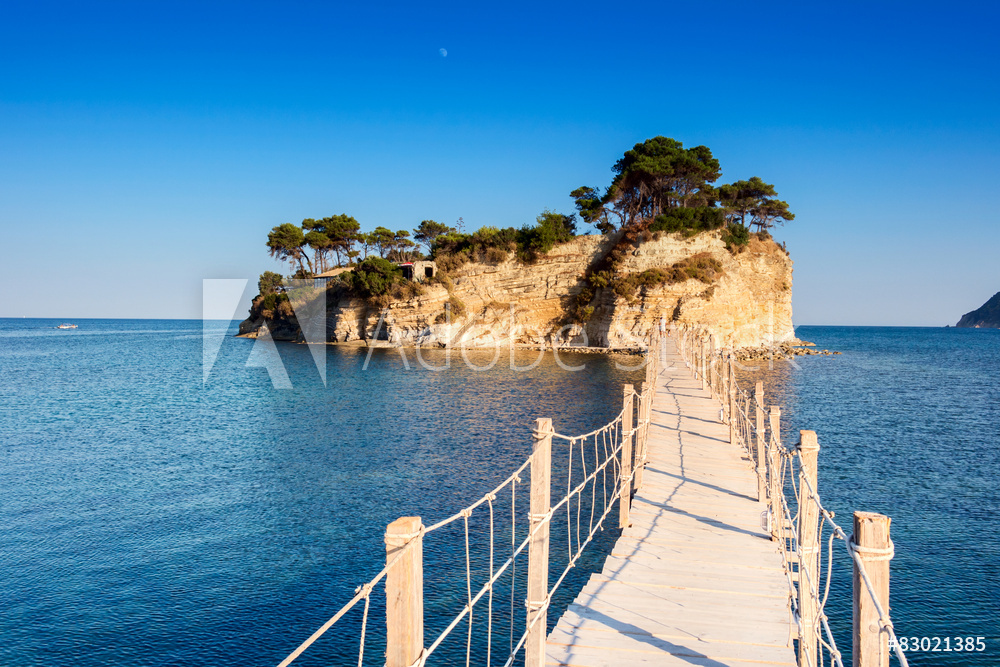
<point>489,613</point>
<point>608,445</point>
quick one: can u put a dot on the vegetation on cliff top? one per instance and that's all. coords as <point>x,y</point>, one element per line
<point>658,187</point>
<point>661,186</point>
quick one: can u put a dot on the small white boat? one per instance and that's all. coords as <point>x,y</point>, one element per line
<point>66,326</point>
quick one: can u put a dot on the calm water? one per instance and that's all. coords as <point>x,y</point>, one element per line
<point>908,421</point>
<point>148,519</point>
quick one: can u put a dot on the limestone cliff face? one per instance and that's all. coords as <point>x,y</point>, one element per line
<point>489,305</point>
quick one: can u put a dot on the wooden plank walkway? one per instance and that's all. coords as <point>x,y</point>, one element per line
<point>694,580</point>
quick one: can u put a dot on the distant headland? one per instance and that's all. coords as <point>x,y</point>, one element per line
<point>986,316</point>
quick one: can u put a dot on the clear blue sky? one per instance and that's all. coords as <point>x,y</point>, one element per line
<point>145,146</point>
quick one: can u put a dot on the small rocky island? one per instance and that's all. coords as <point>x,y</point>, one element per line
<point>670,245</point>
<point>986,316</point>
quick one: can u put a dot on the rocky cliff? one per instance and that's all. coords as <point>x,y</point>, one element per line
<point>748,302</point>
<point>986,316</point>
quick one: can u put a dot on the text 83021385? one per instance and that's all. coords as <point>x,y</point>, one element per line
<point>955,644</point>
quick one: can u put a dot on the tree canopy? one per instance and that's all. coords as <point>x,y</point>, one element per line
<point>428,230</point>
<point>285,243</point>
<point>269,282</point>
<point>662,186</point>
<point>591,205</point>
<point>343,231</point>
<point>754,203</point>
<point>373,276</point>
<point>382,239</point>
<point>660,174</point>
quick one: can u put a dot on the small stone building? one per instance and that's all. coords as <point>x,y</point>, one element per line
<point>419,271</point>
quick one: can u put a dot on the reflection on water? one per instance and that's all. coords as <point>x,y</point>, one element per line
<point>907,423</point>
<point>149,519</point>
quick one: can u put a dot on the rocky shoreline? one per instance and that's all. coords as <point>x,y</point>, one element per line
<point>782,351</point>
<point>796,348</point>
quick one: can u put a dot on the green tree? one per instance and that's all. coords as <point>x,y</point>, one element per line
<point>382,238</point>
<point>285,242</point>
<point>769,213</point>
<point>450,242</point>
<point>320,244</point>
<point>402,247</point>
<point>659,174</point>
<point>428,230</point>
<point>367,242</point>
<point>373,276</point>
<point>591,206</point>
<point>753,203</point>
<point>550,229</point>
<point>343,232</point>
<point>269,282</point>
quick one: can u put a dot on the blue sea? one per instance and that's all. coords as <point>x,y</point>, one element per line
<point>151,516</point>
<point>908,421</point>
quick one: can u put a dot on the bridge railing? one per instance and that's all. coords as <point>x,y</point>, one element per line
<point>798,523</point>
<point>604,467</point>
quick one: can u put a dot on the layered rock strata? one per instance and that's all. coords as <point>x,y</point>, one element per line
<point>511,303</point>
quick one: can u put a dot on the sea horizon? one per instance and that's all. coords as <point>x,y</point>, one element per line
<point>165,509</point>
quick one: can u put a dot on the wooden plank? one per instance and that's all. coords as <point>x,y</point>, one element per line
<point>598,616</point>
<point>590,657</point>
<point>657,644</point>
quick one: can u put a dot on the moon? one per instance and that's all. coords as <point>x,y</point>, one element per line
<point>443,52</point>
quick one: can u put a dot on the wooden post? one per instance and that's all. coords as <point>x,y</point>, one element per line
<point>733,407</point>
<point>774,478</point>
<point>720,368</point>
<point>703,359</point>
<point>404,593</point>
<point>640,441</point>
<point>696,354</point>
<point>625,487</point>
<point>758,397</point>
<point>808,548</point>
<point>538,547</point>
<point>712,370</point>
<point>872,543</point>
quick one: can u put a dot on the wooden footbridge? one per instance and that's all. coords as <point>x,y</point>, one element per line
<point>718,562</point>
<point>694,579</point>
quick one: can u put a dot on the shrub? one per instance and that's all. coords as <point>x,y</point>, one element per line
<point>700,267</point>
<point>448,262</point>
<point>495,255</point>
<point>689,220</point>
<point>550,229</point>
<point>455,305</point>
<point>268,283</point>
<point>405,290</point>
<point>271,300</point>
<point>373,277</point>
<point>735,236</point>
<point>493,245</point>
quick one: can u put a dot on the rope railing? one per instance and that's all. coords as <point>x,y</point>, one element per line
<point>801,533</point>
<point>603,467</point>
